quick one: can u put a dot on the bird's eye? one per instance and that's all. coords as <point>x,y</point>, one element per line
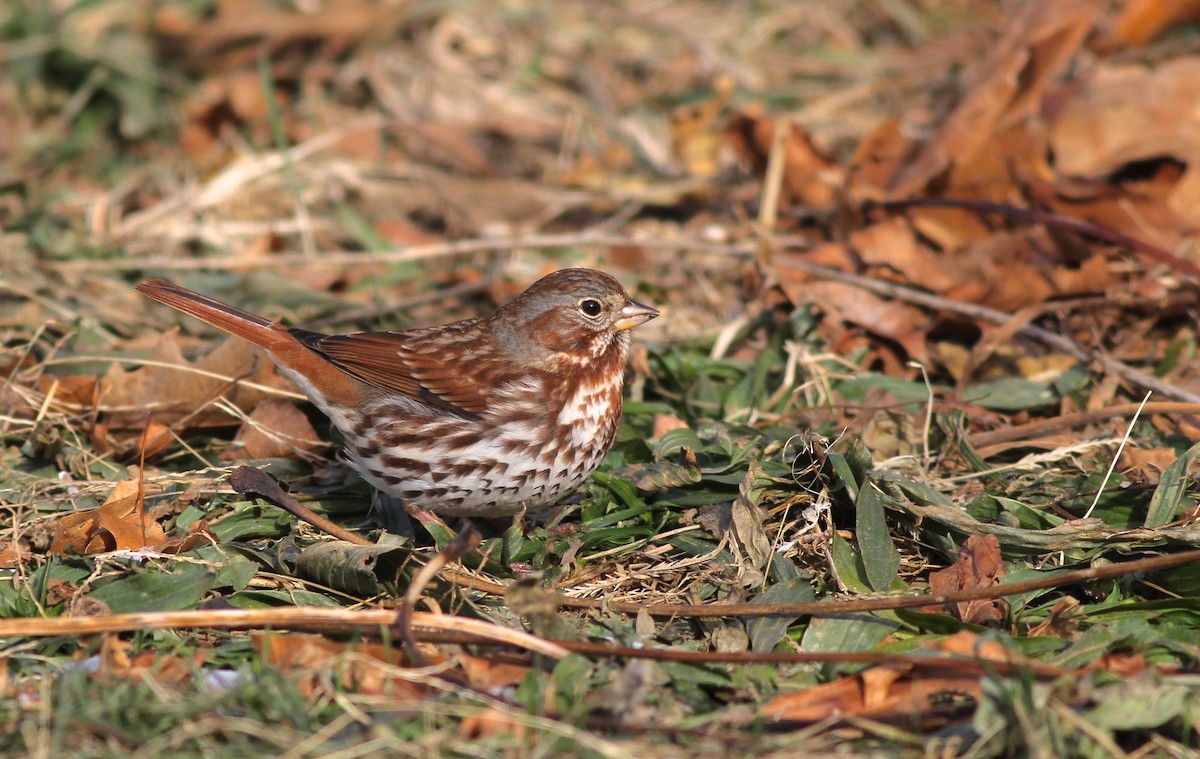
<point>590,307</point>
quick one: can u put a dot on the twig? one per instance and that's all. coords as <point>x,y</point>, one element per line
<point>1070,421</point>
<point>768,210</point>
<point>463,542</point>
<point>414,253</point>
<point>315,619</point>
<point>1050,219</point>
<point>983,313</point>
<point>931,660</point>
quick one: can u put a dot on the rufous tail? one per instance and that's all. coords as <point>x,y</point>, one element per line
<point>248,326</point>
<point>325,384</point>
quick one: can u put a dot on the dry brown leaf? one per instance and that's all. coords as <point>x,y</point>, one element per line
<point>13,553</point>
<point>157,436</point>
<point>971,644</point>
<point>751,545</point>
<point>1143,20</point>
<point>950,229</point>
<point>1125,665</point>
<point>120,523</point>
<point>1010,270</point>
<point>490,675</point>
<point>196,534</point>
<point>979,566</point>
<point>888,318</point>
<point>1005,88</point>
<point>222,103</point>
<point>233,36</point>
<point>491,722</point>
<point>809,178</point>
<point>78,390</point>
<point>367,668</point>
<point>1146,464</point>
<point>1127,113</point>
<point>166,669</point>
<point>171,394</point>
<point>885,690</point>
<point>276,429</point>
<point>880,156</point>
<point>664,423</point>
<point>1062,621</point>
<point>891,246</point>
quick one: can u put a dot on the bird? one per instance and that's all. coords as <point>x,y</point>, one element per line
<point>485,417</point>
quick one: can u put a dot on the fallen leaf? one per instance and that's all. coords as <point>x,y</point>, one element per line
<point>183,388</point>
<point>165,669</point>
<point>1146,464</point>
<point>120,523</point>
<point>888,318</point>
<point>1003,89</point>
<point>491,722</point>
<point>809,178</point>
<point>490,675</point>
<point>1062,621</point>
<point>1129,112</point>
<point>1141,21</point>
<point>275,429</point>
<point>367,668</point>
<point>695,138</point>
<point>979,566</point>
<point>13,553</point>
<point>664,423</point>
<point>892,248</point>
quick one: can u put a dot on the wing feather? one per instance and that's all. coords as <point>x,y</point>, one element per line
<point>414,363</point>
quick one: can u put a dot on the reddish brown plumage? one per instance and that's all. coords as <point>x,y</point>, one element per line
<point>479,417</point>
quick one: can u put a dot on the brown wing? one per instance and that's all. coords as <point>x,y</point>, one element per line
<point>426,366</point>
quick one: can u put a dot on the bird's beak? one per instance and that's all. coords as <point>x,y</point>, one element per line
<point>632,315</point>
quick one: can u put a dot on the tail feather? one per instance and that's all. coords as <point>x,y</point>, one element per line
<point>248,326</point>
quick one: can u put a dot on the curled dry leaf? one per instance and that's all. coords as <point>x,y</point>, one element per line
<point>1129,112</point>
<point>979,566</point>
<point>367,668</point>
<point>168,670</point>
<point>894,689</point>
<point>120,523</point>
<point>1007,88</point>
<point>491,722</point>
<point>13,553</point>
<point>490,675</point>
<point>888,318</point>
<point>1062,621</point>
<point>1143,20</point>
<point>891,248</point>
<point>695,137</point>
<point>664,423</point>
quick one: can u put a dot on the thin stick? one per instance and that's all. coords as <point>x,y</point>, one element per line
<point>463,542</point>
<point>983,313</point>
<point>1070,421</point>
<point>411,253</point>
<point>316,619</point>
<point>1051,219</point>
<point>768,209</point>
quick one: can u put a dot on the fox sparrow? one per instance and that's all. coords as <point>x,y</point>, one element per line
<point>475,418</point>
